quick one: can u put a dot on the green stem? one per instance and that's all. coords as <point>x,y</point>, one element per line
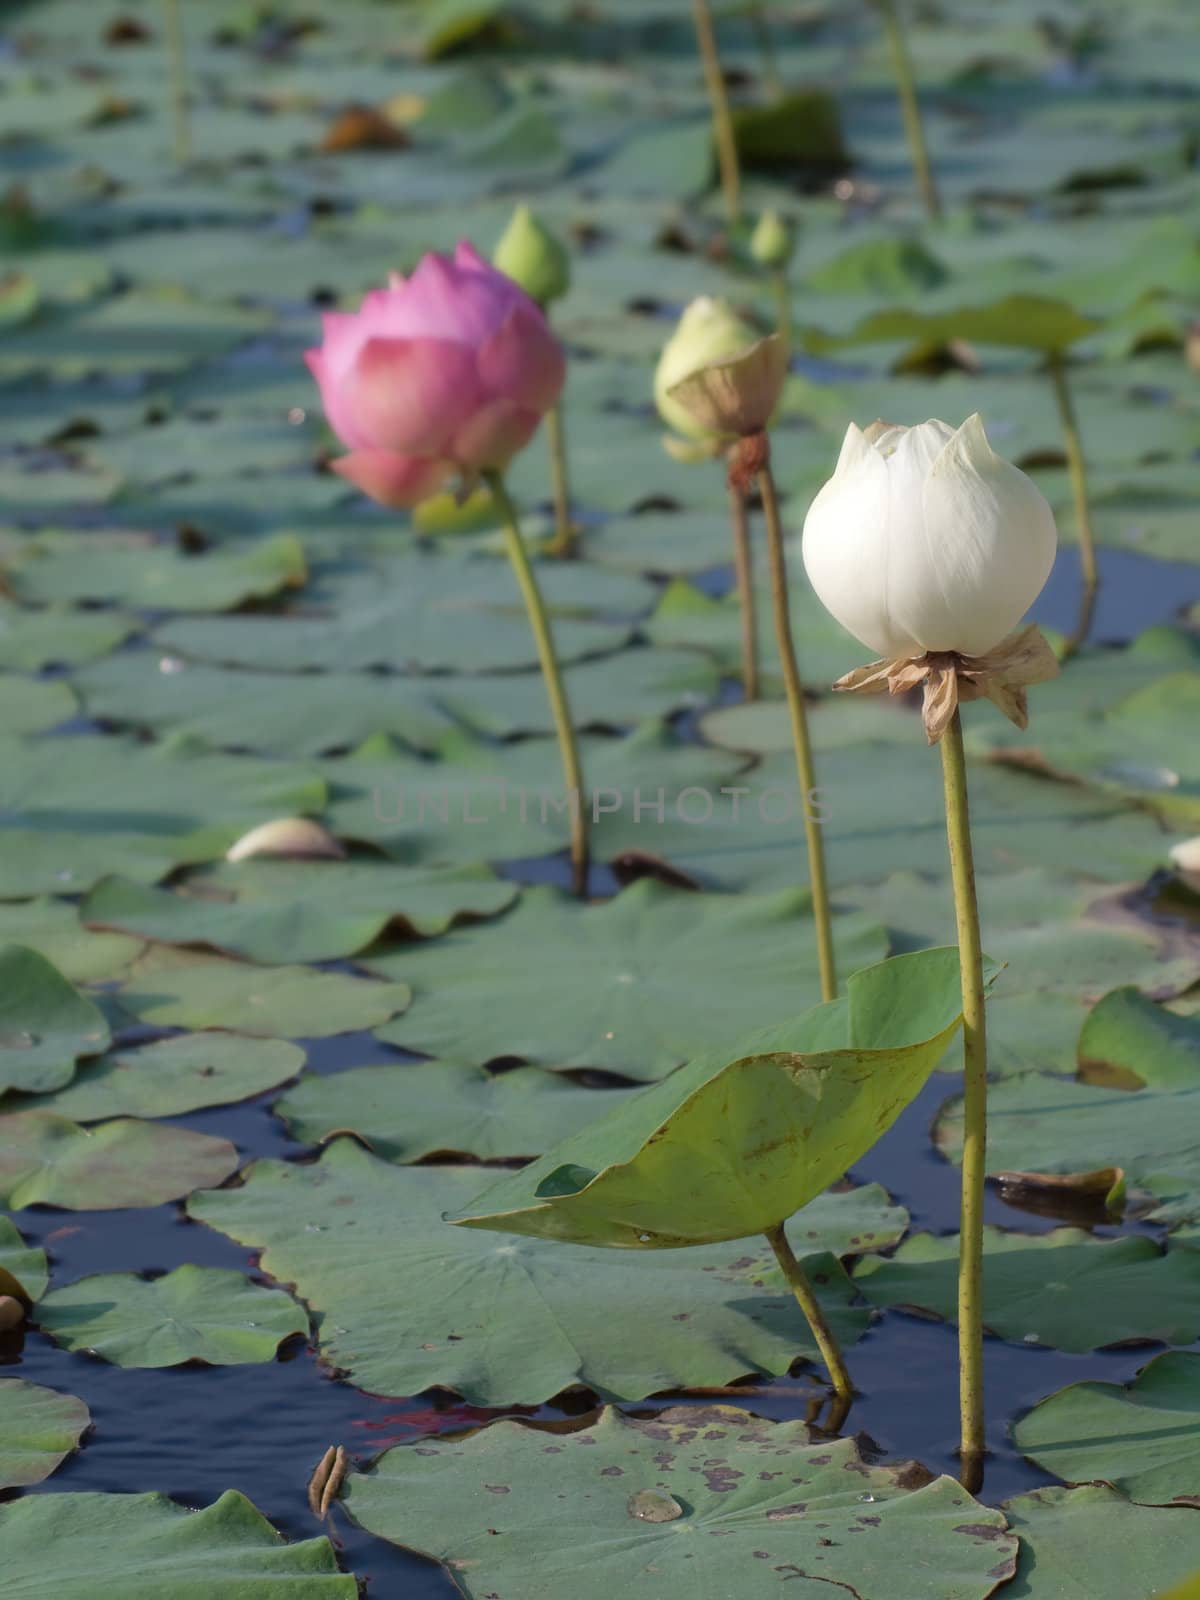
<point>744,573</point>
<point>723,136</point>
<point>1077,471</point>
<point>783,304</point>
<point>766,49</point>
<point>818,884</point>
<point>826,1339</point>
<point>910,106</point>
<point>974,1159</point>
<point>556,692</point>
<point>177,59</point>
<point>564,531</point>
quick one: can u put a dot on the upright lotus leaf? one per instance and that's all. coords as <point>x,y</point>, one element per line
<point>1143,1439</point>
<point>1066,1288</point>
<point>1092,1544</point>
<point>38,1430</point>
<point>47,1160</point>
<point>707,1500</point>
<point>23,1270</point>
<point>194,1313</point>
<point>146,1547</point>
<point>725,1148</point>
<point>1021,321</point>
<point>45,1023</point>
<point>1130,1041</point>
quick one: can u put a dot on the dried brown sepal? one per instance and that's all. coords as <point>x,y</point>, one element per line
<point>747,458</point>
<point>319,1480</point>
<point>333,1483</point>
<point>736,396</point>
<point>950,679</point>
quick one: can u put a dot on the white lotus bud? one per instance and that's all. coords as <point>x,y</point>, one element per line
<point>925,539</point>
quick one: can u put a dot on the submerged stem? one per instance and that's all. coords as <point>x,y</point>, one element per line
<point>827,1344</point>
<point>974,1159</point>
<point>722,120</point>
<point>556,692</point>
<point>744,574</point>
<point>910,106</point>
<point>1077,472</point>
<point>794,688</point>
<point>177,58</point>
<point>564,531</point>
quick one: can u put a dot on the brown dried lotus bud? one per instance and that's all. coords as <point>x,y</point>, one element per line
<point>12,1313</point>
<point>736,396</point>
<point>287,836</point>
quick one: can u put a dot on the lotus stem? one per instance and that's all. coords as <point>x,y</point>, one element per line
<point>743,572</point>
<point>910,106</point>
<point>766,49</point>
<point>974,1161</point>
<point>794,688</point>
<point>560,488</point>
<point>722,120</point>
<point>177,58</point>
<point>831,1352</point>
<point>556,692</point>
<point>1077,472</point>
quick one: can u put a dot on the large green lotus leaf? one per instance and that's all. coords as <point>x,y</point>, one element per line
<point>30,494</point>
<point>204,1314</point>
<point>1065,1288</point>
<point>217,445</point>
<point>57,568</point>
<point>635,985</point>
<point>185,989</point>
<point>63,1546</point>
<point>21,1262</point>
<point>728,1148</point>
<point>306,714</point>
<point>405,1111</point>
<point>1030,322</point>
<point>404,1307</point>
<point>30,640</point>
<point>31,705</point>
<point>53,929</point>
<point>507,801</point>
<point>1092,1544</point>
<point>296,911</point>
<point>697,1499</point>
<point>174,1076</point>
<point>1127,1039</point>
<point>435,612</point>
<point>47,1160</point>
<point>674,542</point>
<point>1143,1439</point>
<point>146,330</point>
<point>38,1430</point>
<point>45,1023</point>
<point>73,810</point>
<point>1060,951</point>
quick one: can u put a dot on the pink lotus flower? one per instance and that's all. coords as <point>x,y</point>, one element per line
<point>449,372</point>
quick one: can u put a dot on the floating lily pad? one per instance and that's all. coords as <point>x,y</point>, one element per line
<point>1030,322</point>
<point>47,1160</point>
<point>38,1430</point>
<point>53,929</point>
<point>636,985</point>
<point>406,1111</point>
<point>180,989</point>
<point>797,1105</point>
<point>1080,1544</point>
<point>31,705</point>
<point>22,1263</point>
<point>1065,1289</point>
<point>499,1509</point>
<point>293,911</point>
<point>192,1314</point>
<point>59,1546</point>
<point>45,1023</point>
<point>30,640</point>
<point>1142,1439</point>
<point>174,1076</point>
<point>508,1321</point>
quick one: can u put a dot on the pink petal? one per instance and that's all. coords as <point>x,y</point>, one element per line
<point>444,301</point>
<point>523,361</point>
<point>339,411</point>
<point>393,480</point>
<point>467,257</point>
<point>411,396</point>
<point>494,435</point>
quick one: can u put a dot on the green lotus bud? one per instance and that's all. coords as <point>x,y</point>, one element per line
<point>709,330</point>
<point>533,258</point>
<point>771,243</point>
